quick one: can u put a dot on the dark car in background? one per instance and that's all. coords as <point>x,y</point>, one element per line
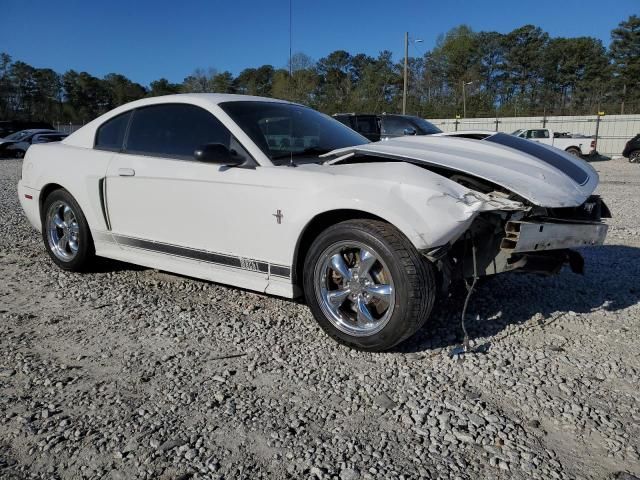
<point>632,149</point>
<point>380,127</point>
<point>17,144</point>
<point>7,127</point>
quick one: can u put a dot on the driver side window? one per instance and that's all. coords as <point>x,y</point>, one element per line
<point>174,131</point>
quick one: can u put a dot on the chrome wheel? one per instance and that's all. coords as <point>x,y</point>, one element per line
<point>62,231</point>
<point>354,288</point>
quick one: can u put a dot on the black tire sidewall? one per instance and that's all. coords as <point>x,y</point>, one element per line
<point>398,328</point>
<point>86,249</point>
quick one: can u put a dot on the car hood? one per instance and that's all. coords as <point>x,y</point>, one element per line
<point>527,174</point>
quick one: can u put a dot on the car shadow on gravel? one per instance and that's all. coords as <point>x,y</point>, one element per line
<point>610,283</point>
<point>107,265</point>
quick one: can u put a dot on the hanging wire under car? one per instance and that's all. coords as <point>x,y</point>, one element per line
<point>465,347</point>
<point>470,288</point>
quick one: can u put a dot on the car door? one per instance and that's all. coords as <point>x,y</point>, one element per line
<point>539,135</point>
<point>163,202</point>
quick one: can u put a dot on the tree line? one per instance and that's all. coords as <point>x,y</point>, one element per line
<point>523,72</point>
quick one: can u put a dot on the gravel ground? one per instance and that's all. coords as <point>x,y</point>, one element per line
<point>133,373</point>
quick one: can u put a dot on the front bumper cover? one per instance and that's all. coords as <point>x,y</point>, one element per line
<point>534,236</point>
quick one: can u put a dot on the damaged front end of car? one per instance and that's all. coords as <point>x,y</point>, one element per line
<point>531,239</point>
<point>527,207</point>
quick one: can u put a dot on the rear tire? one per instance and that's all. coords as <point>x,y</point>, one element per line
<point>574,151</point>
<point>367,285</point>
<point>66,233</point>
<point>634,157</point>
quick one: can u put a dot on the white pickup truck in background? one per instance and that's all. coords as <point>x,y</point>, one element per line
<point>574,144</point>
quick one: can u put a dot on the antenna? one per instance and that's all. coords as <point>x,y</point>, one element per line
<point>291,163</point>
<point>290,40</point>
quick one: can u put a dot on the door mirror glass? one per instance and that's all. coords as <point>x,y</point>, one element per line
<point>409,131</point>
<point>216,153</point>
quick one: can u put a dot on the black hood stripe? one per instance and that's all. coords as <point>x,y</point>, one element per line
<point>547,155</point>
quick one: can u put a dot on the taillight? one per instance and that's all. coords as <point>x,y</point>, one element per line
<point>593,144</point>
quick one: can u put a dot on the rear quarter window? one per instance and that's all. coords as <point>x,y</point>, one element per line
<point>110,135</point>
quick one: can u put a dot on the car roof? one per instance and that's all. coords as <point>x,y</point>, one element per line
<point>383,114</point>
<point>212,98</point>
<point>84,137</point>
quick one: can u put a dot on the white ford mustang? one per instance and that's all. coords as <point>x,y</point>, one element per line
<point>276,197</point>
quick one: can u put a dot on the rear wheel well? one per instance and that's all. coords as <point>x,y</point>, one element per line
<point>46,191</point>
<point>317,224</point>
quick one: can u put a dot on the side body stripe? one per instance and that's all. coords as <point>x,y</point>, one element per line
<point>241,263</point>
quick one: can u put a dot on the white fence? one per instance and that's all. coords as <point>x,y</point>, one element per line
<point>613,132</point>
<point>66,127</point>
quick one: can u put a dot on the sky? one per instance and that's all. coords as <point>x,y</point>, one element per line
<point>149,39</point>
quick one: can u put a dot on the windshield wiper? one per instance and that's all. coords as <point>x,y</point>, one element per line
<point>302,153</point>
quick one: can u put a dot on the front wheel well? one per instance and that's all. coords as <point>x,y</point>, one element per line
<point>317,224</point>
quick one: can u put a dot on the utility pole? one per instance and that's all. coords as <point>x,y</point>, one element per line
<point>464,102</point>
<point>464,98</point>
<point>624,94</point>
<point>406,70</point>
<point>598,117</point>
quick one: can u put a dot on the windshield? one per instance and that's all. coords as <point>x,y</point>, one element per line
<point>518,132</point>
<point>426,128</point>
<point>283,130</point>
<point>18,135</point>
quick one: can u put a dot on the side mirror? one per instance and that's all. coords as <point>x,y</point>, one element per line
<point>216,153</point>
<point>409,131</point>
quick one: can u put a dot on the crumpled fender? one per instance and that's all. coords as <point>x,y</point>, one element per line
<point>429,209</point>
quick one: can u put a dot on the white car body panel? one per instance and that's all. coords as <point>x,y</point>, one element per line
<point>219,223</point>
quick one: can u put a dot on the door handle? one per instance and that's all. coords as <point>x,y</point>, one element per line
<point>126,172</point>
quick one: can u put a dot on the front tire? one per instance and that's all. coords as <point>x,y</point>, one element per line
<point>634,157</point>
<point>367,285</point>
<point>65,232</point>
